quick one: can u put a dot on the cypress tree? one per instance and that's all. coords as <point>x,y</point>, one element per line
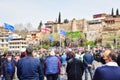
<point>117,12</point>
<point>40,25</point>
<point>112,12</point>
<point>59,18</point>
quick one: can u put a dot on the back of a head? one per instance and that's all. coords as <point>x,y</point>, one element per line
<point>9,53</point>
<point>29,50</point>
<point>110,53</point>
<point>23,54</point>
<point>5,54</point>
<point>52,53</point>
<point>73,54</point>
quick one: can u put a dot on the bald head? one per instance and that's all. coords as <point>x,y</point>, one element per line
<point>109,55</point>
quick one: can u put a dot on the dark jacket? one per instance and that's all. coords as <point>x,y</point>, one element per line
<point>107,73</point>
<point>0,64</point>
<point>118,59</point>
<point>88,59</point>
<point>4,68</point>
<point>29,68</point>
<point>74,69</point>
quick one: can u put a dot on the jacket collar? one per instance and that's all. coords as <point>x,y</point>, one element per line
<point>111,64</point>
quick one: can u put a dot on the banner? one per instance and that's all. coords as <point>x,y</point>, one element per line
<point>45,30</point>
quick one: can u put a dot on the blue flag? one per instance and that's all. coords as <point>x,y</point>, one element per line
<point>51,38</point>
<point>62,32</point>
<point>10,38</point>
<point>8,27</point>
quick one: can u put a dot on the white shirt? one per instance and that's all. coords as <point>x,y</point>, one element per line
<point>111,64</point>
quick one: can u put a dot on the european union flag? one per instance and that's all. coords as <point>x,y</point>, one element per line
<point>51,38</point>
<point>62,32</point>
<point>8,27</point>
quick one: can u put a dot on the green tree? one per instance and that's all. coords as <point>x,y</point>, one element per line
<point>40,25</point>
<point>66,21</point>
<point>59,18</point>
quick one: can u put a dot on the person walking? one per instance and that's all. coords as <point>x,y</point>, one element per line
<point>118,59</point>
<point>88,60</point>
<point>29,68</point>
<point>0,64</point>
<point>111,70</point>
<point>52,66</point>
<point>8,67</point>
<point>74,68</point>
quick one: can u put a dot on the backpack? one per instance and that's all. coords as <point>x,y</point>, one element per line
<point>10,68</point>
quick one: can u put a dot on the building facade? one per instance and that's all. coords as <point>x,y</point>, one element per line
<point>17,44</point>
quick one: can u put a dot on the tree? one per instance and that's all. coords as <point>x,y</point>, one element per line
<point>66,21</point>
<point>112,12</point>
<point>29,26</point>
<point>59,18</point>
<point>117,12</point>
<point>40,25</point>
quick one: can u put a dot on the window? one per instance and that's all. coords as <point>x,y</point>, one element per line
<point>2,40</point>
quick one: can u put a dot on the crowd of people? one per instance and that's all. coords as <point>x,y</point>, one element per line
<point>63,64</point>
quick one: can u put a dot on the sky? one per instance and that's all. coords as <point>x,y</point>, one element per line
<point>34,11</point>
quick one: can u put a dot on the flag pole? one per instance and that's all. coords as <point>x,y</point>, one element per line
<point>60,43</point>
<point>116,43</point>
<point>41,43</point>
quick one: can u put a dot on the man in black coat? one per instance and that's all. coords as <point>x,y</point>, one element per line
<point>74,68</point>
<point>8,66</point>
<point>118,59</point>
<point>0,63</point>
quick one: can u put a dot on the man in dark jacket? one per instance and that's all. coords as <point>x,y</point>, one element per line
<point>0,63</point>
<point>87,60</point>
<point>29,68</point>
<point>118,59</point>
<point>8,67</point>
<point>74,68</point>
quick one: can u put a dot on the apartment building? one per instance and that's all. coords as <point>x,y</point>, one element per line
<point>18,44</point>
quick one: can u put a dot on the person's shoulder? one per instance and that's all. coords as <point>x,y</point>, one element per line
<point>105,67</point>
<point>22,59</point>
<point>70,60</point>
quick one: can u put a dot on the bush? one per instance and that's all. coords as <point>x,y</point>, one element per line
<point>46,46</point>
<point>91,43</point>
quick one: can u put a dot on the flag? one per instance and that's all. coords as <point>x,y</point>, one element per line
<point>8,27</point>
<point>45,30</point>
<point>62,33</point>
<point>10,38</point>
<point>51,38</point>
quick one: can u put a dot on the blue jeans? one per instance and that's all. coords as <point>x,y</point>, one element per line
<point>3,78</point>
<point>90,71</point>
<point>58,77</point>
